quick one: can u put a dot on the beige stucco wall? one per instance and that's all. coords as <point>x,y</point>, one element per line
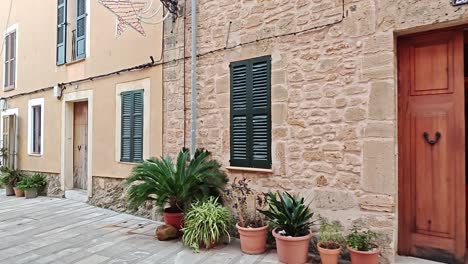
<point>106,53</point>
<point>334,96</point>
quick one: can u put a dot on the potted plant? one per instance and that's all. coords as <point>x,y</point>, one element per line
<point>329,246</point>
<point>251,225</point>
<point>173,187</point>
<point>10,179</point>
<point>291,219</point>
<point>7,180</point>
<point>362,247</point>
<point>205,223</point>
<point>30,184</point>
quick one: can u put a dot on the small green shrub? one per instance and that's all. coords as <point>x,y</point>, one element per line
<point>362,240</point>
<point>9,177</point>
<point>330,235</point>
<point>206,223</point>
<point>33,181</point>
<point>289,214</point>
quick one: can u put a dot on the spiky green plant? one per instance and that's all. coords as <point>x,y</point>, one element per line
<point>288,213</point>
<point>176,185</point>
<point>36,180</point>
<point>205,224</point>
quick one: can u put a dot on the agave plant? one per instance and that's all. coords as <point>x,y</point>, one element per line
<point>176,185</point>
<point>288,214</point>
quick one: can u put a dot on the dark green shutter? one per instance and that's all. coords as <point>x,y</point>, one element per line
<point>251,113</point>
<point>61,31</point>
<point>80,44</point>
<point>132,126</point>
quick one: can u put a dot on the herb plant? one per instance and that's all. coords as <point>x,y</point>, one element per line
<point>330,235</point>
<point>362,241</point>
<point>205,223</point>
<point>246,202</point>
<point>288,213</point>
<point>179,184</point>
<point>33,181</point>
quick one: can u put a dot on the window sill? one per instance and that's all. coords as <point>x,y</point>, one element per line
<point>35,154</point>
<point>249,169</point>
<point>9,88</point>
<point>129,163</point>
<point>74,62</point>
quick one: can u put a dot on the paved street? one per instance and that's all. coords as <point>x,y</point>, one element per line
<point>50,230</point>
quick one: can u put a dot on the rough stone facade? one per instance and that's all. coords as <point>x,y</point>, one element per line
<point>111,193</point>
<point>333,95</point>
<point>53,187</point>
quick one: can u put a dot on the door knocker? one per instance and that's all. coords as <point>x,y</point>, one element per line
<point>432,142</point>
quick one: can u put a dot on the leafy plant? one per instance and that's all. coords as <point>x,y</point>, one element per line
<point>164,182</point>
<point>330,235</point>
<point>205,223</point>
<point>362,241</point>
<point>33,181</point>
<point>289,214</point>
<point>9,177</point>
<point>246,202</point>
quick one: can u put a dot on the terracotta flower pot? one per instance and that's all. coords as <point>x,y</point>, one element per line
<point>328,256</point>
<point>292,250</point>
<point>30,193</point>
<point>364,257</point>
<point>253,240</point>
<point>9,191</point>
<point>18,192</point>
<point>174,219</point>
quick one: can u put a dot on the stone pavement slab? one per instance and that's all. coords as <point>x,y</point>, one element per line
<point>51,230</point>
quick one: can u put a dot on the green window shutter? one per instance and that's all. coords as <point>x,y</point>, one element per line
<point>61,31</point>
<point>261,112</point>
<point>132,126</point>
<point>240,76</point>
<point>80,44</point>
<point>137,143</point>
<point>251,113</point>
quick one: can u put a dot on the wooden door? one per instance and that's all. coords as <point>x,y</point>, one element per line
<point>80,145</point>
<point>431,144</point>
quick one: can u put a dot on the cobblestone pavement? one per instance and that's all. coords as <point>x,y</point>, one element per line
<point>51,230</point>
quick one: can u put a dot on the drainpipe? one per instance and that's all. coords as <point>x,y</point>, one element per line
<point>193,138</point>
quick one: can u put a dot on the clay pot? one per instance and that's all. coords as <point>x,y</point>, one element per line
<point>30,193</point>
<point>328,256</point>
<point>18,192</point>
<point>174,219</point>
<point>253,240</point>
<point>364,257</point>
<point>292,250</point>
<point>9,191</point>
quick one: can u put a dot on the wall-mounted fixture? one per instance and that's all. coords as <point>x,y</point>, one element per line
<point>58,91</point>
<point>3,104</point>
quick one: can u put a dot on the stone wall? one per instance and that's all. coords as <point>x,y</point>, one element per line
<point>333,95</point>
<point>53,187</point>
<point>111,193</point>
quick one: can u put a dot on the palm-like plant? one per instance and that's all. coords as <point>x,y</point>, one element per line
<point>289,214</point>
<point>176,185</point>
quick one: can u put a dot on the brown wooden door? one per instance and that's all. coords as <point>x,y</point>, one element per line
<point>80,146</point>
<point>432,172</point>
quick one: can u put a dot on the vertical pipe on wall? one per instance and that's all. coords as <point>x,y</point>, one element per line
<point>193,138</point>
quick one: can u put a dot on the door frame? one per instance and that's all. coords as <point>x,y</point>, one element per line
<point>402,236</point>
<point>66,169</point>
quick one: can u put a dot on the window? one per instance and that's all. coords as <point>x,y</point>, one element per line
<point>10,60</point>
<point>251,113</point>
<point>35,129</point>
<point>71,33</point>
<point>132,126</point>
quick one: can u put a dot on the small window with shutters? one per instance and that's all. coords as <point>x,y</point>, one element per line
<point>35,126</point>
<point>9,73</point>
<point>251,113</point>
<point>132,126</point>
<point>71,30</point>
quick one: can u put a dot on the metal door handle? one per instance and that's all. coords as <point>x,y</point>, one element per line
<point>432,142</point>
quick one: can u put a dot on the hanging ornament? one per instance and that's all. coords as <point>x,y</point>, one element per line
<point>127,14</point>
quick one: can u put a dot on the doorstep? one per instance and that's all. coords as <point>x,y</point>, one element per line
<point>77,195</point>
<point>410,260</point>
